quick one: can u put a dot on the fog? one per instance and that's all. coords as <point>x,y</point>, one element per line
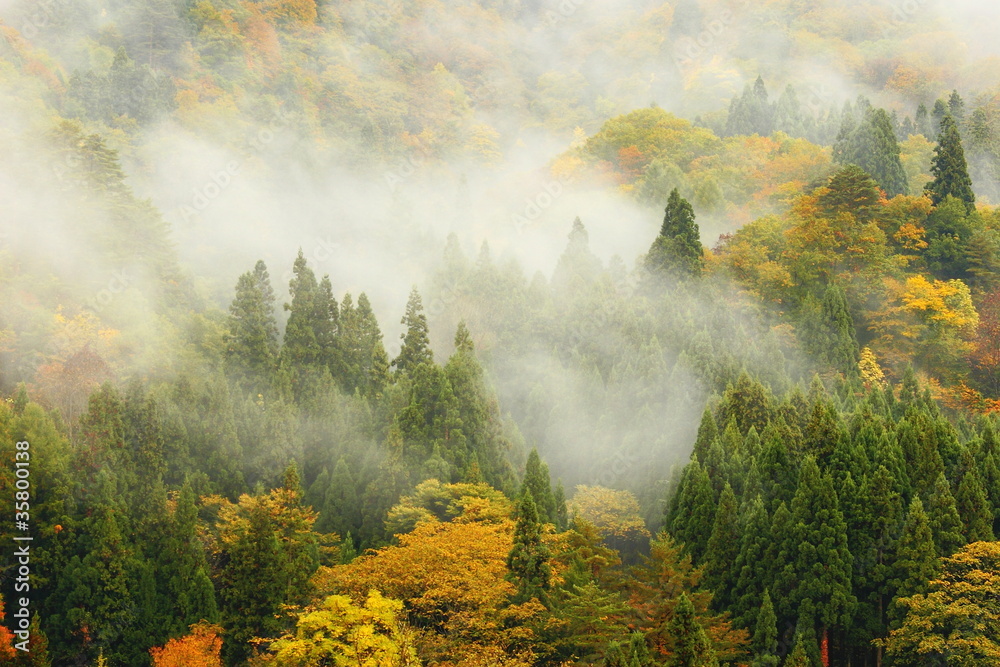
<point>244,183</point>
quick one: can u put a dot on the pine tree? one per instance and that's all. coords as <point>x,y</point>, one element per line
<point>950,170</point>
<point>915,560</point>
<point>765,636</point>
<point>536,480</point>
<point>528,560</point>
<point>956,107</point>
<point>578,266</point>
<point>874,148</point>
<point>185,563</point>
<point>822,562</point>
<point>341,510</point>
<point>302,340</point>
<point>723,548</point>
<point>415,349</point>
<point>677,251</point>
<point>691,647</point>
<point>752,572</point>
<point>693,512</point>
<point>252,346</point>
<point>840,343</point>
<point>923,123</point>
<point>562,517</point>
<point>974,508</point>
<point>946,524</point>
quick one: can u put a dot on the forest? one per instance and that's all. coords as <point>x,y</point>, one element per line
<point>499,333</point>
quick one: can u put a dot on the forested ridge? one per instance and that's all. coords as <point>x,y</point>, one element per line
<point>768,437</point>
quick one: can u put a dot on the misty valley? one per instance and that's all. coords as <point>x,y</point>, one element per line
<point>499,333</point>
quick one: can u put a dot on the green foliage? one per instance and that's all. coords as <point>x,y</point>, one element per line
<point>528,560</point>
<point>950,169</point>
<point>677,251</point>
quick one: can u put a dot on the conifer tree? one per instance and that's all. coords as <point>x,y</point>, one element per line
<point>765,636</point>
<point>752,572</point>
<point>823,561</point>
<point>974,508</point>
<point>950,169</point>
<point>301,345</point>
<point>341,510</point>
<point>874,148</point>
<point>252,346</point>
<point>915,560</point>
<point>946,524</point>
<point>723,548</point>
<point>677,251</point>
<point>536,480</point>
<point>691,647</point>
<point>528,560</point>
<point>415,349</point>
<point>562,517</point>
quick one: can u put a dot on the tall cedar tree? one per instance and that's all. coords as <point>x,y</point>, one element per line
<point>915,560</point>
<point>765,636</point>
<point>528,560</point>
<point>950,169</point>
<point>252,348</point>
<point>415,349</point>
<point>536,480</point>
<point>302,339</point>
<point>677,251</point>
<point>873,147</point>
<point>822,562</point>
<point>946,523</point>
<point>691,645</point>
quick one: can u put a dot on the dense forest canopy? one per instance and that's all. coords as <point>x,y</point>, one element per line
<point>471,333</point>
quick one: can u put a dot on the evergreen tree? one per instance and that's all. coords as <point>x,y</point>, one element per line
<point>765,637</point>
<point>252,349</point>
<point>950,170</point>
<point>923,122</point>
<point>677,251</point>
<point>946,524</point>
<point>691,647</point>
<point>973,505</point>
<point>536,480</point>
<point>822,562</point>
<point>578,266</point>
<point>956,107</point>
<point>528,560</point>
<point>873,147</point>
<point>415,349</point>
<point>916,557</point>
<point>723,549</point>
<point>562,517</point>
<point>301,346</point>
<point>693,511</point>
<point>341,509</point>
<point>185,565</point>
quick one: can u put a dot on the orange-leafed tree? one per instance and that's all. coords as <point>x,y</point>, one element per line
<point>200,648</point>
<point>7,651</point>
<point>655,591</point>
